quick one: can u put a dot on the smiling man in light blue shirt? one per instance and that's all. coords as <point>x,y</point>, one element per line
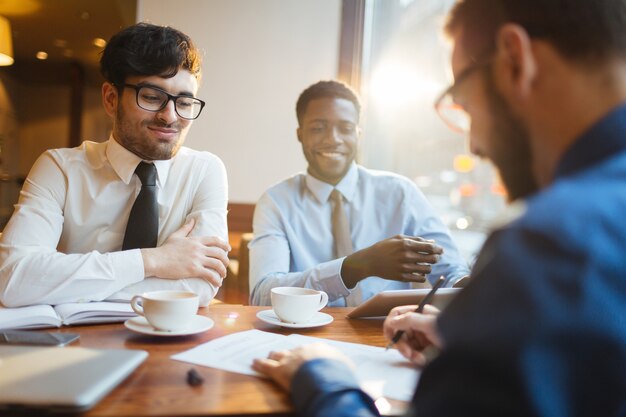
<point>397,237</point>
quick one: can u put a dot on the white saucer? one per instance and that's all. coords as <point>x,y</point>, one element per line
<point>318,319</point>
<point>198,324</point>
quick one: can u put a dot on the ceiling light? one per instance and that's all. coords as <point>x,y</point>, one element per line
<point>20,8</point>
<point>99,42</point>
<point>41,55</point>
<point>68,53</point>
<point>6,43</point>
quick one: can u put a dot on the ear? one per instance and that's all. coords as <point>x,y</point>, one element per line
<point>515,62</point>
<point>299,134</point>
<point>110,98</point>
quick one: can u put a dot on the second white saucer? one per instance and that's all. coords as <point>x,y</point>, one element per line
<point>318,319</point>
<point>198,324</point>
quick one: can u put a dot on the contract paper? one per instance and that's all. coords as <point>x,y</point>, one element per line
<point>381,373</point>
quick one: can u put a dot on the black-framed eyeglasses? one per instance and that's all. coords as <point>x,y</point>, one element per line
<point>449,109</point>
<point>155,99</point>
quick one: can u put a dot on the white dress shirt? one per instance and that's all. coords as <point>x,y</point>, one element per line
<point>293,241</point>
<point>63,242</point>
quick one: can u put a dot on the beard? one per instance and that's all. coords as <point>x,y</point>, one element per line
<point>141,145</point>
<point>510,141</point>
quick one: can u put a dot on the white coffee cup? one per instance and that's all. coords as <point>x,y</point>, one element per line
<point>166,310</point>
<point>297,305</point>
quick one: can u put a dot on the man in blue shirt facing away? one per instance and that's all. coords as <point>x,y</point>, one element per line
<point>382,234</point>
<point>541,328</point>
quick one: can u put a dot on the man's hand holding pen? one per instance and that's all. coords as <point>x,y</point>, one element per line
<point>412,329</point>
<point>416,342</point>
<point>420,331</point>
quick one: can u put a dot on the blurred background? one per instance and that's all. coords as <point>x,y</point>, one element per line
<point>258,56</point>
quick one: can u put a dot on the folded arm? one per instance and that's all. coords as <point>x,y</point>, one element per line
<point>33,271</point>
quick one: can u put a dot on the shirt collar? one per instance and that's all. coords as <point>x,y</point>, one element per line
<point>124,163</point>
<point>603,140</point>
<point>347,186</point>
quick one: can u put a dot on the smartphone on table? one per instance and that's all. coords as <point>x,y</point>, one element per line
<point>29,337</point>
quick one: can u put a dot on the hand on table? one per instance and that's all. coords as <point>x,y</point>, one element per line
<point>282,366</point>
<point>184,256</point>
<point>420,331</point>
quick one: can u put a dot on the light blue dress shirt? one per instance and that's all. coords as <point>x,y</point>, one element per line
<point>293,241</point>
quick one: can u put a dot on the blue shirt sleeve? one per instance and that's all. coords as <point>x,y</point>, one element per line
<point>326,387</point>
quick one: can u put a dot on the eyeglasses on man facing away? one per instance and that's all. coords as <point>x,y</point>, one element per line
<point>450,108</point>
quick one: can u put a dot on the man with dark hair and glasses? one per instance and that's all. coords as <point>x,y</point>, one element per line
<point>138,212</point>
<point>540,90</point>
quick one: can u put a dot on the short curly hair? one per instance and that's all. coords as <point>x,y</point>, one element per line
<point>326,89</point>
<point>147,49</point>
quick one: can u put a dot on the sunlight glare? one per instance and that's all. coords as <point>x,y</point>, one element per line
<point>395,85</point>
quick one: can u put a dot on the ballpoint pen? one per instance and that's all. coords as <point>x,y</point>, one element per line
<point>398,335</point>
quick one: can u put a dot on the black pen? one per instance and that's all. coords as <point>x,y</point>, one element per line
<point>419,309</point>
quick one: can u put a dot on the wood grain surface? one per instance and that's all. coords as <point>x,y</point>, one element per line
<point>159,388</point>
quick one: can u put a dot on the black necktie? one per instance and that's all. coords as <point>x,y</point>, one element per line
<point>142,229</point>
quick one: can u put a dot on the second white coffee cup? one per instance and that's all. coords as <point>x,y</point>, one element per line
<point>297,305</point>
<point>166,310</point>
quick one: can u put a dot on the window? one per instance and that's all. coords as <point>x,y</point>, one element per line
<point>404,68</point>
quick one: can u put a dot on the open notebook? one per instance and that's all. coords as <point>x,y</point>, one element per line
<point>41,316</point>
<point>61,379</point>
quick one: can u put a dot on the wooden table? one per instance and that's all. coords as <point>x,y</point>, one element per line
<point>158,387</point>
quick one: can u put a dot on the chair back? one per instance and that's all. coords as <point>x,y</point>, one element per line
<point>243,275</point>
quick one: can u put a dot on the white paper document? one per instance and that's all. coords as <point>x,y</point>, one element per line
<point>380,372</point>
